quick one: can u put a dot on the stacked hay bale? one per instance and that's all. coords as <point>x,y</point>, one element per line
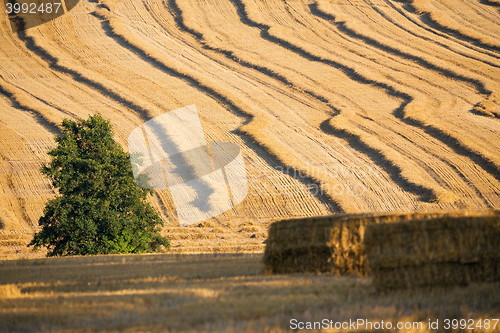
<point>397,250</point>
<point>332,244</point>
<point>440,251</point>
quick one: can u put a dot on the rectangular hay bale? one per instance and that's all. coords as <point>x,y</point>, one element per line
<point>442,251</point>
<point>330,244</point>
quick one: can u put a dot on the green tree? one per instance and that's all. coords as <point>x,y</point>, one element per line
<point>100,209</point>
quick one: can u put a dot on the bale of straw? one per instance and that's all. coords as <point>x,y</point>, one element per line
<point>440,251</point>
<point>331,244</point>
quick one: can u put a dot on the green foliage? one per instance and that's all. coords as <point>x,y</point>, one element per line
<point>100,209</point>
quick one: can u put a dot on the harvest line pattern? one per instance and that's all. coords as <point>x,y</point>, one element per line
<point>122,40</point>
<point>453,143</point>
<point>420,24</point>
<point>480,87</point>
<point>430,16</point>
<point>425,194</point>
<point>339,95</point>
<point>79,77</point>
<point>50,126</point>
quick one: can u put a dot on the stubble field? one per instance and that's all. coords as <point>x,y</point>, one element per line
<point>215,293</point>
<point>338,106</point>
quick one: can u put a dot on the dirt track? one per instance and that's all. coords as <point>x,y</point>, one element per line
<point>383,105</point>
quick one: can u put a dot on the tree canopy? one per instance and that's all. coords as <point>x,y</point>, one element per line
<point>99,209</point>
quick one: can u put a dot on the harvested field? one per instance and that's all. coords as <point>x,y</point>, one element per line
<point>375,107</point>
<point>209,293</point>
<point>338,106</point>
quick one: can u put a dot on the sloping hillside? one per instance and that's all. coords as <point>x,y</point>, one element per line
<point>337,105</point>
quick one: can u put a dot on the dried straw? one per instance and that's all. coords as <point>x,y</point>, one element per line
<point>332,244</point>
<point>440,251</point>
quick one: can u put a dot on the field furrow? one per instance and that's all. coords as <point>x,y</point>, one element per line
<point>219,20</point>
<point>483,87</point>
<point>238,101</point>
<point>474,29</point>
<point>49,40</point>
<point>23,190</point>
<point>256,24</point>
<point>401,16</point>
<point>374,154</point>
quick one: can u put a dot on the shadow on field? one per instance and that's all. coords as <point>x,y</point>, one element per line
<point>249,141</point>
<point>207,292</point>
<point>490,3</point>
